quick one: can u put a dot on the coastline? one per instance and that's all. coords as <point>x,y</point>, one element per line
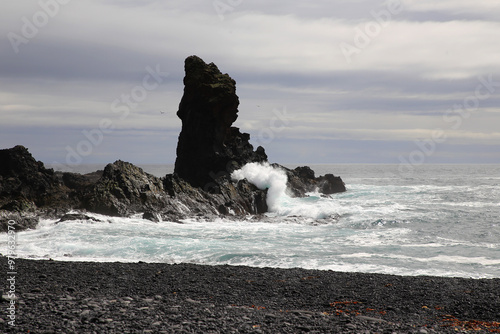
<point>218,174</point>
<point>86,297</point>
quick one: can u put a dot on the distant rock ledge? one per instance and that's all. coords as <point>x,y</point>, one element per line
<point>209,150</point>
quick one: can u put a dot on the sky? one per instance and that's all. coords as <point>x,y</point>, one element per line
<point>404,82</point>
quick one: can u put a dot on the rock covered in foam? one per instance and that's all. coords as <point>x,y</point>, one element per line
<point>284,184</point>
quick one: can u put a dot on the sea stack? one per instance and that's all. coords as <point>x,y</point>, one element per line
<point>208,151</point>
<point>208,145</point>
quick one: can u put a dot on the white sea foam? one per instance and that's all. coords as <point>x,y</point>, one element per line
<point>247,242</point>
<point>264,176</point>
<point>279,202</point>
<point>447,259</point>
<point>386,225</point>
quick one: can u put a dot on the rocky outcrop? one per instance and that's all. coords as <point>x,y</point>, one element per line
<point>30,191</point>
<point>25,183</point>
<point>124,188</point>
<point>209,149</point>
<point>26,187</point>
<point>208,145</point>
<point>77,216</point>
<point>231,199</point>
<point>302,180</point>
<point>20,220</point>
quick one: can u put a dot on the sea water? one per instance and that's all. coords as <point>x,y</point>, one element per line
<point>440,220</point>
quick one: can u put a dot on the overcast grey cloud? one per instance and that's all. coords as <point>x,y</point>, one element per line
<point>411,68</point>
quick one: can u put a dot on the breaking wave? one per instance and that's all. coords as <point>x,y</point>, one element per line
<point>279,201</point>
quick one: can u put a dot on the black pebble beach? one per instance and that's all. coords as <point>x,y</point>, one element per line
<point>84,297</point>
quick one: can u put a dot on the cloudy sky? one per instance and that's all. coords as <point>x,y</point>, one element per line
<point>337,81</point>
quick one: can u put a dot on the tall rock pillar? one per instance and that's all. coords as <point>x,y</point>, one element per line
<point>208,145</point>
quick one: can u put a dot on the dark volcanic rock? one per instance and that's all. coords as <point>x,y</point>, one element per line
<point>76,216</point>
<point>78,181</point>
<point>229,198</point>
<point>330,184</point>
<point>124,189</point>
<point>301,180</point>
<point>28,189</point>
<point>209,148</point>
<point>208,145</point>
<point>151,215</point>
<point>23,221</point>
<point>26,181</point>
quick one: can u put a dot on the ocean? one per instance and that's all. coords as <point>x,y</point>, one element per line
<point>439,220</point>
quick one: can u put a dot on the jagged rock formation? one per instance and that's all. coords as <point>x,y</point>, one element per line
<point>209,149</point>
<point>25,182</point>
<point>25,186</point>
<point>28,191</point>
<point>124,189</point>
<point>301,180</point>
<point>208,146</point>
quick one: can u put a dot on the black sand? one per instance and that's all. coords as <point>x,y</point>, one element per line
<point>72,297</point>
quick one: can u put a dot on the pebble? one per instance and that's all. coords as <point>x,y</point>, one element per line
<point>362,317</point>
<point>85,313</point>
<point>192,301</point>
<point>9,298</point>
